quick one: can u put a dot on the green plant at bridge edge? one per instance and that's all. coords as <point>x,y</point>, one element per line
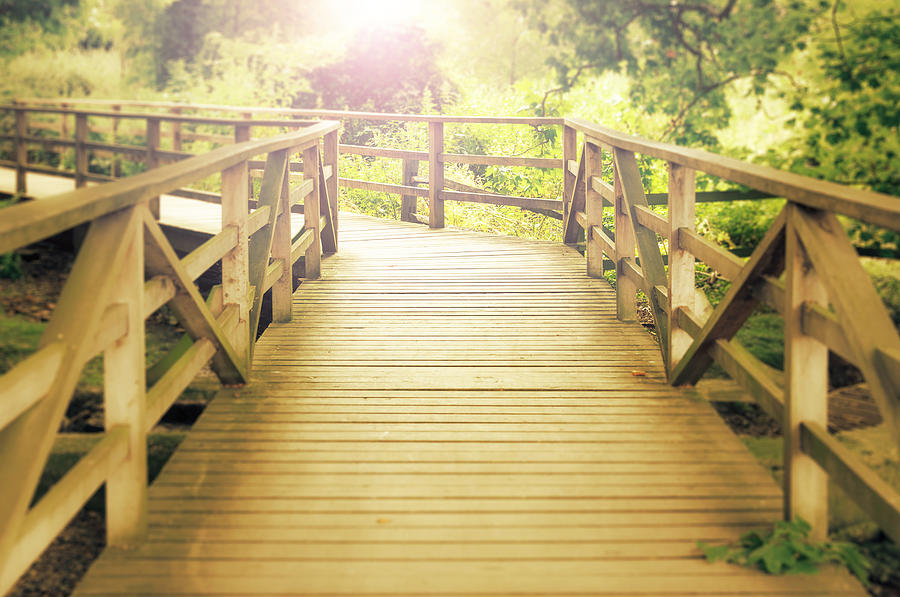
<point>787,549</point>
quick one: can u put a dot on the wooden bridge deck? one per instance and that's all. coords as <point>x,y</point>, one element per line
<point>453,413</point>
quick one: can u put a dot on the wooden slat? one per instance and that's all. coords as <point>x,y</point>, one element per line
<point>29,222</point>
<point>491,160</point>
<point>875,208</point>
<point>605,189</point>
<point>491,198</point>
<point>870,492</point>
<point>723,261</point>
<point>383,152</point>
<point>609,246</point>
<point>382,187</point>
<point>652,220</point>
<point>203,257</point>
<point>300,244</point>
<point>170,386</point>
<point>52,513</point>
<point>435,411</point>
<point>736,306</point>
<point>28,382</point>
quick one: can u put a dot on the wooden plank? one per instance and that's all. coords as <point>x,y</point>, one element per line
<point>651,220</point>
<point>682,290</point>
<point>67,496</point>
<point>593,206</point>
<point>433,404</point>
<point>408,202</point>
<point>494,199</point>
<point>79,310</point>
<point>328,229</point>
<point>723,261</point>
<point>868,206</point>
<point>260,245</point>
<point>654,272</point>
<point>124,398</point>
<point>857,306</point>
<point>170,386</point>
<point>312,262</point>
<point>384,152</point>
<point>190,307</point>
<point>203,257</point>
<point>870,492</point>
<point>736,306</point>
<point>28,382</point>
<point>29,222</point>
<point>435,175</point>
<point>491,160</point>
<point>572,233</point>
<point>382,187</point>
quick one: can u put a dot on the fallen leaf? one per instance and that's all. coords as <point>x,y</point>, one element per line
<point>639,373</point>
<point>383,520</point>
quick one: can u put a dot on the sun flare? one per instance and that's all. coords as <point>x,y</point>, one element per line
<point>382,13</point>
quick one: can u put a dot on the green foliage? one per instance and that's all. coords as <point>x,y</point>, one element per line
<point>680,56</point>
<point>11,266</point>
<point>849,116</point>
<point>787,549</point>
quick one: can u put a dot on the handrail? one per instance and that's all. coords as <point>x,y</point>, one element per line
<point>875,208</point>
<point>410,186</point>
<point>29,222</point>
<point>307,112</point>
<point>125,270</point>
<point>827,300</point>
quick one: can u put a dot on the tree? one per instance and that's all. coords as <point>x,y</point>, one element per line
<point>680,54</point>
<point>391,69</point>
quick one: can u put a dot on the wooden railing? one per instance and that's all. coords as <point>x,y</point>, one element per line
<point>126,270</point>
<point>806,268</point>
<point>183,120</point>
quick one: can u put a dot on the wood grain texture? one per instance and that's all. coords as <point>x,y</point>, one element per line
<point>453,413</point>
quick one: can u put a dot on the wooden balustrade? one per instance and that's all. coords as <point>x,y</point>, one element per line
<point>826,298</point>
<point>105,302</point>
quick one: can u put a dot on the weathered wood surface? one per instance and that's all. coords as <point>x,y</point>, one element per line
<point>453,413</point>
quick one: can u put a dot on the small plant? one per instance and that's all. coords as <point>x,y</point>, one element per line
<point>787,549</point>
<point>11,266</point>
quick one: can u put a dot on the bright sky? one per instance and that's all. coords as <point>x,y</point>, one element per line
<point>379,13</point>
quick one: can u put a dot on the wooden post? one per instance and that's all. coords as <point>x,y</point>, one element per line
<point>81,155</point>
<point>570,154</point>
<point>283,288</point>
<point>408,202</point>
<point>236,263</point>
<point>153,138</point>
<point>332,158</point>
<point>313,259</point>
<point>593,250</point>
<point>626,289</point>
<point>117,159</point>
<point>176,131</point>
<point>21,149</point>
<point>806,387</point>
<point>64,121</point>
<point>124,400</point>
<point>435,174</point>
<point>682,197</point>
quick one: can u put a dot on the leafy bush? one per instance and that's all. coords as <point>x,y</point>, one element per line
<point>787,549</point>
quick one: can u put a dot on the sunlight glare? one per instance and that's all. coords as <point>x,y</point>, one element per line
<point>382,13</point>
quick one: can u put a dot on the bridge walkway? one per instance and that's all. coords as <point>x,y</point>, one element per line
<point>453,413</point>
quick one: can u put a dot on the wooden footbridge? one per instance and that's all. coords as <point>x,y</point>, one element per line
<point>437,411</point>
